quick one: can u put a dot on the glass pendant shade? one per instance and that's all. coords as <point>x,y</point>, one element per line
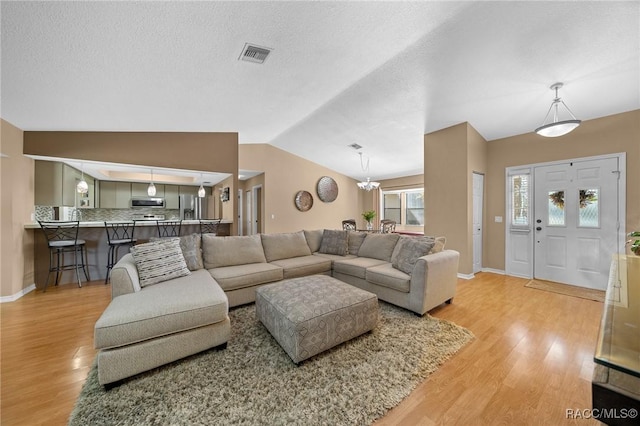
<point>82,187</point>
<point>557,127</point>
<point>151,190</point>
<point>201,192</point>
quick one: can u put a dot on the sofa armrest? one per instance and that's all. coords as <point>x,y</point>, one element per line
<point>433,280</point>
<point>124,277</point>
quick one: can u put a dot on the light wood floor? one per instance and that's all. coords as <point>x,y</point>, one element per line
<point>530,362</point>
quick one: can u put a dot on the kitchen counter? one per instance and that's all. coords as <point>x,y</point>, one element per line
<point>98,224</point>
<point>97,246</point>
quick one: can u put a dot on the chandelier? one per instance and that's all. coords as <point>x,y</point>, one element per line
<point>367,185</point>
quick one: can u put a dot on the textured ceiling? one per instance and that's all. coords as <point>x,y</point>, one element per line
<point>381,74</point>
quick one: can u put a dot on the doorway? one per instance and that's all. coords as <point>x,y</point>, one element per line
<point>564,219</point>
<point>478,199</point>
<point>256,214</point>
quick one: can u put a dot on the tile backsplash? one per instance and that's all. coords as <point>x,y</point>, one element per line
<point>97,215</point>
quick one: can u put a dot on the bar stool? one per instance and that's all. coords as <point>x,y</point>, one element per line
<point>62,237</point>
<point>169,228</point>
<point>209,226</point>
<point>118,234</point>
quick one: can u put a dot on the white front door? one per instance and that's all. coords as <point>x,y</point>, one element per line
<point>478,189</point>
<point>576,221</point>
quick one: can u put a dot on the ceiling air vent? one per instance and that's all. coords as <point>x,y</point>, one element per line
<point>355,146</point>
<point>253,53</point>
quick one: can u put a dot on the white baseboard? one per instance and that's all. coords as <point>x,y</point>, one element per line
<point>466,276</point>
<point>494,271</point>
<point>18,295</point>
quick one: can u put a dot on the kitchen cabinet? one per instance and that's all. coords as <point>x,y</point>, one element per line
<point>190,190</point>
<point>171,193</point>
<point>140,190</point>
<point>115,195</point>
<point>55,185</point>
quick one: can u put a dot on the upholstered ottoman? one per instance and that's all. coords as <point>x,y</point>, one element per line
<point>308,315</point>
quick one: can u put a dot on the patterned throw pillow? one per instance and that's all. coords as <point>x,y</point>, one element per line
<point>334,242</point>
<point>159,261</point>
<point>410,250</point>
<point>191,250</point>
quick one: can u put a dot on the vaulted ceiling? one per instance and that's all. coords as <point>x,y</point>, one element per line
<point>379,74</point>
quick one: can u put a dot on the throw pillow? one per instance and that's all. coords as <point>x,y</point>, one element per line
<point>191,250</point>
<point>355,241</point>
<point>334,242</point>
<point>410,250</point>
<point>378,246</point>
<point>159,261</point>
<point>439,245</point>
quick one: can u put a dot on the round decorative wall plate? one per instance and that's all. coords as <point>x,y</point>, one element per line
<point>303,200</point>
<point>327,189</point>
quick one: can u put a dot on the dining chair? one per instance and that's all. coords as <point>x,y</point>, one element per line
<point>62,238</point>
<point>349,224</point>
<point>387,226</point>
<point>119,234</point>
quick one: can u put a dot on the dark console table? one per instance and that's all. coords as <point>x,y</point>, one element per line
<point>616,379</point>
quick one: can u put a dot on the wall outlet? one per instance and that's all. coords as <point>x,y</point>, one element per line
<point>498,219</point>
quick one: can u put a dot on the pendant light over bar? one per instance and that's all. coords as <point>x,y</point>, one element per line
<point>556,127</point>
<point>151,190</point>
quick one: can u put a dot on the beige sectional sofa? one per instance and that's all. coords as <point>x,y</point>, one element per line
<point>414,273</point>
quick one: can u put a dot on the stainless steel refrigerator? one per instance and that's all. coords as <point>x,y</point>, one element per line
<point>193,207</point>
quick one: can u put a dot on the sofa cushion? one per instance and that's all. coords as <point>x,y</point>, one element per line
<point>334,257</point>
<point>241,276</point>
<point>159,261</point>
<point>314,239</point>
<point>285,246</point>
<point>180,304</point>
<point>334,242</point>
<point>387,276</point>
<point>357,266</point>
<point>231,251</point>
<point>355,241</point>
<point>191,250</point>
<point>410,249</point>
<point>378,246</point>
<point>303,266</point>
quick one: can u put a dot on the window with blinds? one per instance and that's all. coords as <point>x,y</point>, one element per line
<point>520,199</point>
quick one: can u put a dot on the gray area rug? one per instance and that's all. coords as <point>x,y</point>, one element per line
<point>253,381</point>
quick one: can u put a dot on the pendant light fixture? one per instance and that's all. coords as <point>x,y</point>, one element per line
<point>151,190</point>
<point>367,185</point>
<point>201,191</point>
<point>556,127</point>
<point>82,186</point>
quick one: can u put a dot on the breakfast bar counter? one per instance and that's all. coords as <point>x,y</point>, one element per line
<point>95,235</point>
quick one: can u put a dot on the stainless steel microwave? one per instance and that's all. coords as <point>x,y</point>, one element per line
<point>152,202</point>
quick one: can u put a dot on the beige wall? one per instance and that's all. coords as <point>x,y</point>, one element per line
<point>284,175</point>
<point>451,156</point>
<point>17,199</point>
<point>607,135</point>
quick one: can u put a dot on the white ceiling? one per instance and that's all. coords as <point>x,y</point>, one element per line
<point>380,74</point>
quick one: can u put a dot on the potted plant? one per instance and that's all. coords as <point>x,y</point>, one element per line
<point>635,243</point>
<point>368,216</point>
